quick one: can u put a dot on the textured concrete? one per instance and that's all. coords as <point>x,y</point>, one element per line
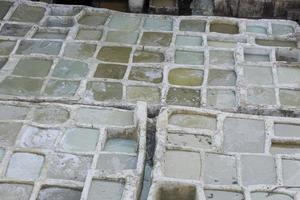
<point>45,151</point>
<point>218,155</point>
<point>92,38</point>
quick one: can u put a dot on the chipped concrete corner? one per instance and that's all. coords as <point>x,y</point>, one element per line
<point>77,84</point>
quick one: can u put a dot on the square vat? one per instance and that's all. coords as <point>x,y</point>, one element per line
<point>21,86</point>
<point>192,25</point>
<point>276,43</point>
<point>270,196</point>
<point>284,148</point>
<point>220,169</point>
<point>258,169</point>
<point>79,50</point>
<point>15,191</point>
<point>105,91</point>
<point>116,162</point>
<point>286,130</point>
<point>122,22</point>
<point>57,10</point>
<point>105,117</point>
<point>223,194</point>
<point>258,75</point>
<point>253,57</point>
<point>88,34</point>
<point>68,166</point>
<point>3,61</point>
<point>289,97</point>
<point>183,40</point>
<point>136,93</point>
<point>175,165</point>
<point>28,47</point>
<point>13,112</point>
<point>240,137</point>
<point>156,39</point>
<point>33,67</point>
<point>282,29</point>
<point>50,34</point>
<point>61,88</point>
<point>194,121</point>
<point>219,57</point>
<point>80,139</point>
<point>106,190</point>
<point>53,192</point>
<point>59,21</point>
<point>287,55</point>
<point>50,115</point>
<point>186,77</point>
<point>124,145</point>
<point>114,54</point>
<point>256,29</point>
<point>124,37</point>
<point>148,57</point>
<point>189,140</point>
<point>222,44</point>
<point>291,172</point>
<point>93,19</point>
<point>18,30</point>
<point>26,166</point>
<point>4,7</point>
<point>26,13</point>
<point>225,28</point>
<point>182,96</point>
<point>219,77</point>
<point>9,132</point>
<point>70,69</point>
<point>221,99</point>
<point>6,47</point>
<point>288,74</point>
<point>189,57</point>
<point>256,55</point>
<point>176,192</point>
<point>112,71</point>
<point>161,24</point>
<point>34,137</point>
<point>146,74</point>
<point>261,96</point>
